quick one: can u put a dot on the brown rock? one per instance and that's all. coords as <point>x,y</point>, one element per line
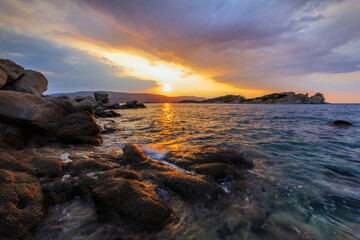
<point>216,170</point>
<point>86,166</point>
<point>3,78</point>
<point>13,70</point>
<point>47,166</point>
<point>80,127</point>
<point>190,187</point>
<point>133,200</point>
<point>11,135</point>
<point>31,82</point>
<point>21,207</point>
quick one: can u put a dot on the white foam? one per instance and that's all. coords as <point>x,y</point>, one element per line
<point>65,157</point>
<point>174,166</point>
<point>154,153</point>
<point>225,186</point>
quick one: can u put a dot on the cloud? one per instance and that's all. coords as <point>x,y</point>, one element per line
<point>263,44</point>
<point>67,69</point>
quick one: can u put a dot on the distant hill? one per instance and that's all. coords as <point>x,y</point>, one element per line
<point>122,97</point>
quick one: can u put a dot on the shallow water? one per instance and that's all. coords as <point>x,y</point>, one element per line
<point>306,183</point>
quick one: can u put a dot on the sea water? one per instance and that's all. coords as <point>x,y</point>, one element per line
<point>306,180</point>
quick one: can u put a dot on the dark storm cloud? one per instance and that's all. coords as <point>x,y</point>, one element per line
<point>67,69</point>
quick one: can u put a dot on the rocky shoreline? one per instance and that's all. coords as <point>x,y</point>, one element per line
<point>38,169</point>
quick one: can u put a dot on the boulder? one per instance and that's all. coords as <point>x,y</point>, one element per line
<point>99,112</point>
<point>87,166</point>
<point>232,157</point>
<point>84,105</point>
<point>102,97</point>
<point>21,207</point>
<point>47,166</point>
<point>3,78</point>
<point>341,123</point>
<point>216,170</point>
<point>80,127</point>
<point>12,135</point>
<point>134,155</point>
<point>132,105</point>
<point>133,200</point>
<point>30,82</point>
<point>27,110</point>
<point>190,187</point>
<point>13,70</point>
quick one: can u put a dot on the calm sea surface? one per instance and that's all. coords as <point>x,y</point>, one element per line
<point>306,183</point>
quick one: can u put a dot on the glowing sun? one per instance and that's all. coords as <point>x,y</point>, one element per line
<point>167,88</point>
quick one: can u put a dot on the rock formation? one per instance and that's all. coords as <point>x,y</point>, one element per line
<point>28,117</point>
<point>274,98</point>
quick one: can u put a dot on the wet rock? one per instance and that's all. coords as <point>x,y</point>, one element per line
<point>341,123</point>
<point>86,166</point>
<point>133,154</point>
<point>111,106</point>
<point>61,189</point>
<point>132,105</point>
<point>122,173</point>
<point>3,78</point>
<point>216,170</point>
<point>190,187</point>
<point>47,166</point>
<point>102,97</point>
<point>30,82</point>
<point>100,112</point>
<point>133,200</point>
<point>210,154</point>
<point>13,70</point>
<point>21,207</point>
<point>9,162</point>
<point>80,127</point>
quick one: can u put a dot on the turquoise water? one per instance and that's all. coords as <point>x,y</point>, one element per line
<point>306,183</point>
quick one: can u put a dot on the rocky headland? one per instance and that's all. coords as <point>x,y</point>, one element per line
<point>274,98</point>
<point>39,169</point>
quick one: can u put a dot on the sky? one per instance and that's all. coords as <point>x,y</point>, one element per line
<point>203,48</point>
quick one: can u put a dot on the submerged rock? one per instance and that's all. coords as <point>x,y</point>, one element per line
<point>133,200</point>
<point>216,170</point>
<point>341,123</point>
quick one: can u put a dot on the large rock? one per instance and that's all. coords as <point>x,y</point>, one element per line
<point>131,199</point>
<point>13,70</point>
<point>31,82</point>
<point>11,135</point>
<point>102,97</point>
<point>26,110</point>
<point>21,207</point>
<point>48,117</point>
<point>80,127</point>
<point>3,78</point>
<point>341,123</point>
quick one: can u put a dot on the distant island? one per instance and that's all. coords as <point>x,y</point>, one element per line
<point>123,97</point>
<point>274,98</point>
